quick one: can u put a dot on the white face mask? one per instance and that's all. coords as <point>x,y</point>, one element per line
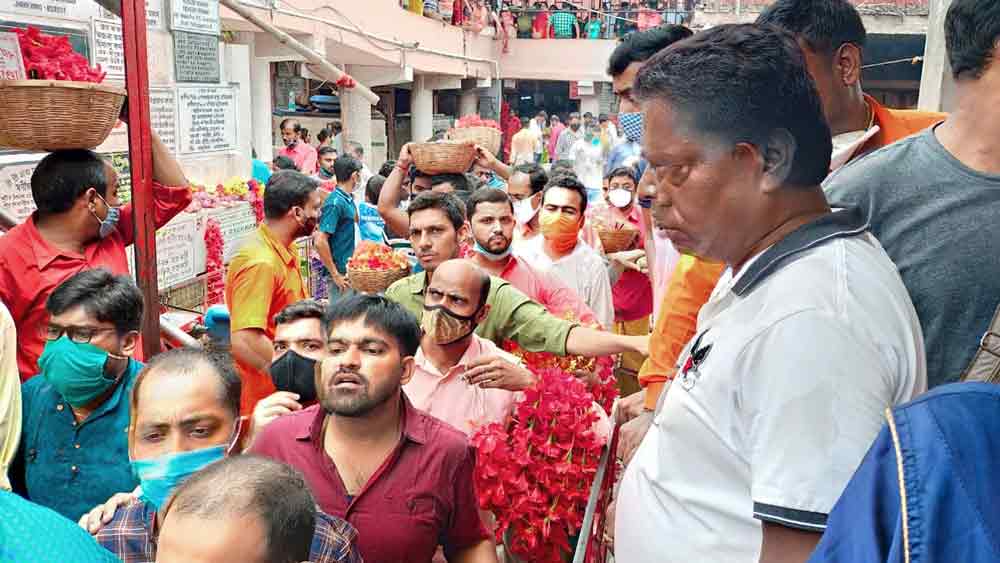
<point>620,197</point>
<point>524,212</point>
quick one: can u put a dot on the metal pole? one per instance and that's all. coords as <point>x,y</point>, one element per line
<point>141,162</point>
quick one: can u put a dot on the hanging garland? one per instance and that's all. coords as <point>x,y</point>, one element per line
<point>215,270</point>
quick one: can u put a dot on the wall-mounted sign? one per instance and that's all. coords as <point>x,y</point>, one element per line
<point>196,16</point>
<point>163,116</point>
<point>175,251</point>
<point>108,51</point>
<point>11,64</point>
<point>15,190</point>
<point>236,223</point>
<point>68,9</point>
<point>207,118</point>
<point>196,57</point>
<point>154,14</point>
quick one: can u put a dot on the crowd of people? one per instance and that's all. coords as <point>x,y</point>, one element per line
<point>804,267</point>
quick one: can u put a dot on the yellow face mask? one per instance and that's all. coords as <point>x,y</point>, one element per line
<point>559,229</point>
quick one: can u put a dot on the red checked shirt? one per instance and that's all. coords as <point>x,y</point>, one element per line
<point>422,496</point>
<point>30,268</point>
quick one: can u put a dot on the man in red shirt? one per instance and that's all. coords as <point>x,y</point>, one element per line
<point>401,477</point>
<point>79,224</point>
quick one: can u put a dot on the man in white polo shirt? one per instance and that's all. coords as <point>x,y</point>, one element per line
<point>808,338</point>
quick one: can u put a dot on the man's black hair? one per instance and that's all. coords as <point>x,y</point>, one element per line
<point>186,362</point>
<point>297,127</point>
<point>574,115</point>
<point>323,135</point>
<point>447,203</point>
<point>536,176</point>
<point>563,164</point>
<point>823,25</point>
<point>337,126</point>
<point>305,309</point>
<point>387,168</point>
<point>287,189</point>
<point>344,167</point>
<point>741,84</point>
<point>568,182</point>
<point>282,162</point>
<point>374,188</point>
<point>487,195</point>
<point>323,151</point>
<point>380,313</point>
<point>103,295</point>
<point>971,31</point>
<point>63,176</point>
<point>241,485</point>
<point>624,172</point>
<point>641,45</point>
<point>458,181</point>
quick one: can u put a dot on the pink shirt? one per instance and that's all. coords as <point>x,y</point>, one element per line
<point>446,396</point>
<point>554,138</point>
<point>547,290</point>
<point>303,155</point>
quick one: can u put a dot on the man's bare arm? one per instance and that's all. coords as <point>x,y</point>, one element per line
<point>782,544</point>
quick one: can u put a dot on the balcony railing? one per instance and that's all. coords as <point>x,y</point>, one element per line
<point>866,7</point>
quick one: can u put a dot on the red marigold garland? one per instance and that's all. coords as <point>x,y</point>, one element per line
<point>214,268</point>
<point>535,474</point>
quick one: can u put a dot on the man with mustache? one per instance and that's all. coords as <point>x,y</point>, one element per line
<point>402,477</point>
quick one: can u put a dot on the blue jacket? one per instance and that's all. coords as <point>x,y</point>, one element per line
<point>928,489</point>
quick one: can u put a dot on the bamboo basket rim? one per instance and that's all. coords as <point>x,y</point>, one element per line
<point>67,84</point>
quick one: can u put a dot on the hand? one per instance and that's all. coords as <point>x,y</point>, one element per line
<point>631,435</point>
<point>631,406</point>
<point>274,406</point>
<point>102,514</point>
<point>637,344</point>
<point>405,159</point>
<point>493,372</point>
<point>341,282</point>
<point>629,260</point>
<point>485,158</point>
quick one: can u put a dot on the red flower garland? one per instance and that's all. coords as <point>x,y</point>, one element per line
<point>256,199</point>
<point>535,476</point>
<point>215,291</point>
<point>51,57</point>
<point>473,120</point>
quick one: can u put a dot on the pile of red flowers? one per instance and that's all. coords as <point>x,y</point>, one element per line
<point>214,268</point>
<point>51,57</point>
<point>535,474</point>
<point>374,257</point>
<point>475,121</point>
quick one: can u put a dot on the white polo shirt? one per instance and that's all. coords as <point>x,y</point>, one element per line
<point>777,399</point>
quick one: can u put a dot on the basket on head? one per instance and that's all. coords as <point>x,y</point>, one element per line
<point>444,157</point>
<point>486,137</point>
<point>55,114</point>
<point>617,240</point>
<point>375,281</point>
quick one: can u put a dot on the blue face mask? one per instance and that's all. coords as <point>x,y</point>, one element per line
<point>160,476</point>
<point>632,125</point>
<point>110,221</point>
<point>491,256</point>
<point>496,183</point>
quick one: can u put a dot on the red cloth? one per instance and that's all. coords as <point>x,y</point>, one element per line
<point>554,139</point>
<point>30,268</point>
<point>422,496</point>
<point>540,26</point>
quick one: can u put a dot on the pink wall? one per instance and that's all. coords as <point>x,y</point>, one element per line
<point>557,59</point>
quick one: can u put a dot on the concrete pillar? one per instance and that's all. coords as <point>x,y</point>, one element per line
<point>937,87</point>
<point>260,117</point>
<point>468,100</point>
<point>358,114</point>
<point>421,109</point>
<point>237,71</point>
<point>591,104</point>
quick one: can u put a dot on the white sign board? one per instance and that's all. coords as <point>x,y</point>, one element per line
<point>236,223</point>
<point>206,118</point>
<point>154,14</point>
<point>196,16</point>
<point>108,51</point>
<point>15,190</point>
<point>11,65</point>
<point>176,260</point>
<point>68,9</point>
<point>163,116</point>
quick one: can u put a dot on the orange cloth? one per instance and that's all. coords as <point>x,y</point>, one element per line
<point>263,278</point>
<point>694,279</point>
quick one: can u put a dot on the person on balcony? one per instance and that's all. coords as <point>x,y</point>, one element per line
<point>564,24</point>
<point>79,224</point>
<point>649,16</point>
<point>540,23</point>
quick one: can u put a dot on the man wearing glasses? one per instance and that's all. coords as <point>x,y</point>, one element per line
<point>74,441</point>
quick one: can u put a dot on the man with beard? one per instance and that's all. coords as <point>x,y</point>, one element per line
<point>402,477</point>
<point>568,138</point>
<point>263,278</point>
<point>302,153</point>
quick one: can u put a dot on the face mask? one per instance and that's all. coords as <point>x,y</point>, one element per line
<point>159,476</point>
<point>632,125</point>
<point>445,327</point>
<point>575,127</point>
<point>325,174</point>
<point>308,226</point>
<point>620,197</point>
<point>490,255</point>
<point>295,373</point>
<point>110,220</point>
<point>495,182</point>
<point>560,230</point>
<point>76,370</point>
<point>524,212</point>
<point>291,143</point>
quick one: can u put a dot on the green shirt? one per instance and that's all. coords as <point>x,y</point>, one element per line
<point>513,315</point>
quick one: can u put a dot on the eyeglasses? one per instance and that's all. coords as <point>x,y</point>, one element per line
<point>78,334</point>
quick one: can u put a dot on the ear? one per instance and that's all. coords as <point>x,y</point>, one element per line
<point>847,63</point>
<point>408,366</point>
<point>778,158</point>
<point>90,197</point>
<point>464,232</point>
<point>129,343</point>
<point>483,313</point>
<point>536,200</point>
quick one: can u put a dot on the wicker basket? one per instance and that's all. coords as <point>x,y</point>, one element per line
<point>617,240</point>
<point>487,137</point>
<point>55,114</point>
<point>375,281</point>
<point>445,157</point>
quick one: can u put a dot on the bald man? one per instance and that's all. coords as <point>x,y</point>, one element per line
<point>460,378</point>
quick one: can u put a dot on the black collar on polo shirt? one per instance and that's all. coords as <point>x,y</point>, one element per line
<point>842,223</point>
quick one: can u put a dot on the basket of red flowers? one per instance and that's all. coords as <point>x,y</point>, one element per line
<point>483,132</point>
<point>374,267</point>
<point>62,105</point>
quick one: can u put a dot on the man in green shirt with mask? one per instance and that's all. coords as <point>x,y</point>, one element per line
<point>74,447</point>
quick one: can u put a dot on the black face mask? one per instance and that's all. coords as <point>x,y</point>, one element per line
<point>295,373</point>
